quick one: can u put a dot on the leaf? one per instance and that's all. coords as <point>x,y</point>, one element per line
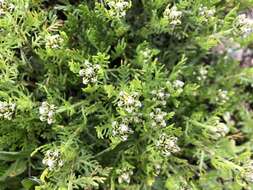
<point>74,67</point>
<point>109,89</point>
<point>15,169</point>
<point>11,156</point>
<point>119,49</point>
<point>28,183</point>
<point>229,18</point>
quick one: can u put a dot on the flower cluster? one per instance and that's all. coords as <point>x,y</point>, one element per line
<point>202,74</point>
<point>248,171</point>
<point>222,96</point>
<point>122,129</point>
<point>158,118</point>
<point>52,159</point>
<point>244,25</point>
<point>206,13</point>
<point>146,55</point>
<point>173,15</point>
<point>178,84</point>
<point>89,73</point>
<point>47,112</point>
<point>6,7</point>
<point>219,130</point>
<point>54,41</point>
<point>118,8</point>
<point>125,177</point>
<point>167,144</point>
<point>7,110</point>
<point>160,96</point>
<point>129,102</point>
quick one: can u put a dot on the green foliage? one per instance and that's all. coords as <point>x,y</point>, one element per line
<point>114,94</point>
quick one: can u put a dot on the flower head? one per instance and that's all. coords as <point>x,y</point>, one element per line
<point>121,130</point>
<point>47,112</point>
<point>219,130</point>
<point>53,41</point>
<point>167,144</point>
<point>89,73</point>
<point>158,118</point>
<point>52,159</point>
<point>125,177</point>
<point>7,110</point>
<point>222,96</point>
<point>129,102</point>
<point>118,8</point>
<point>244,25</point>
<point>173,15</point>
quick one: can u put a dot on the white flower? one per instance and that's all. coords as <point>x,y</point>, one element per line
<point>82,72</point>
<point>206,13</point>
<point>167,144</point>
<point>47,112</point>
<point>129,102</point>
<point>7,110</point>
<point>178,84</point>
<point>50,164</point>
<point>118,8</point>
<point>121,130</point>
<point>173,15</point>
<point>202,74</point>
<point>220,130</point>
<point>89,73</point>
<point>248,171</point>
<point>125,177</point>
<point>244,24</point>
<point>52,159</point>
<point>222,96</point>
<point>53,41</point>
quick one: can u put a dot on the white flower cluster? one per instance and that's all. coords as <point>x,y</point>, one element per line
<point>222,96</point>
<point>160,96</point>
<point>47,112</point>
<point>158,118</point>
<point>167,144</point>
<point>219,130</point>
<point>248,172</point>
<point>89,73</point>
<point>125,177</point>
<point>129,102</point>
<point>202,74</point>
<point>121,129</point>
<point>118,8</point>
<point>6,7</point>
<point>178,84</point>
<point>52,159</point>
<point>206,13</point>
<point>7,110</point>
<point>173,15</point>
<point>244,24</point>
<point>54,41</point>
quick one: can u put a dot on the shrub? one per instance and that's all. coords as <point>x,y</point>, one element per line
<point>115,94</point>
